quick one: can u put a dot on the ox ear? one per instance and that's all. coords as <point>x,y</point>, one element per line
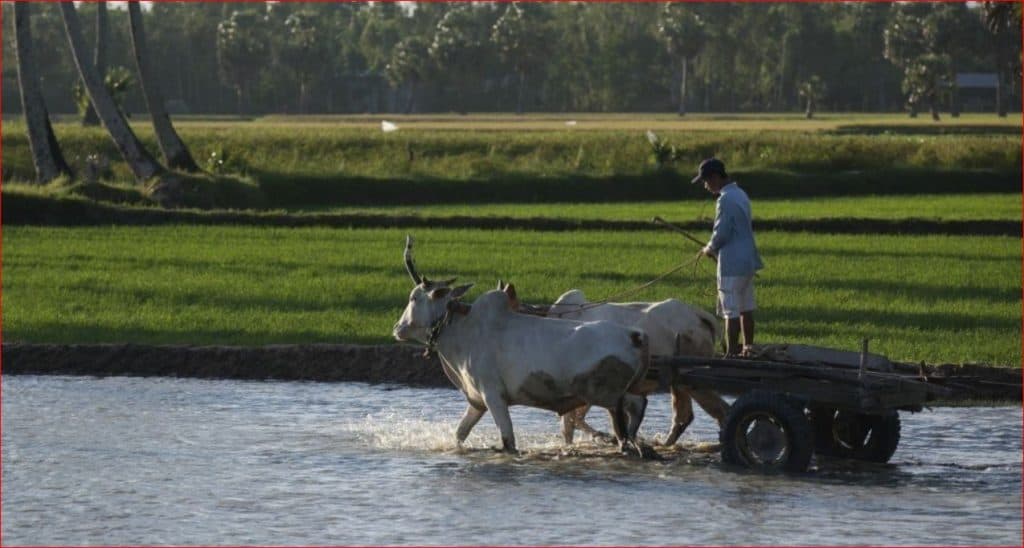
<point>449,281</point>
<point>439,293</point>
<point>513,299</point>
<point>458,292</point>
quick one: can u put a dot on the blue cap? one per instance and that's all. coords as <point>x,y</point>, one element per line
<point>707,167</point>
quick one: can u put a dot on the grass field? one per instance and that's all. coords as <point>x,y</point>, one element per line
<point>314,153</point>
<point>933,298</point>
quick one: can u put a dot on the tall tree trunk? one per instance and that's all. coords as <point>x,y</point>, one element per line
<point>412,98</point>
<point>810,108</point>
<point>522,88</point>
<point>139,160</point>
<point>682,87</point>
<point>46,154</point>
<point>1000,93</point>
<point>99,57</point>
<point>175,152</point>
<point>933,106</point>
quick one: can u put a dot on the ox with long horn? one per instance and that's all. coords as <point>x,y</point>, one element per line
<point>409,265</point>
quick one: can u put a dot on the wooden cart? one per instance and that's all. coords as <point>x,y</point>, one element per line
<point>803,401</point>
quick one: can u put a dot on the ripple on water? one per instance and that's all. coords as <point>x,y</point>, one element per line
<point>179,461</point>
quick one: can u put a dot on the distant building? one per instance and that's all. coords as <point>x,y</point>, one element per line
<point>977,91</point>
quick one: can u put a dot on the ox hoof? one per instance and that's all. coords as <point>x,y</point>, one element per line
<point>648,453</point>
<point>602,437</point>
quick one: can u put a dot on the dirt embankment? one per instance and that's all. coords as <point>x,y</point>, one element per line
<point>351,363</point>
<point>309,362</point>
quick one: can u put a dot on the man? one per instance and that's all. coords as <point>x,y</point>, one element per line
<point>732,245</point>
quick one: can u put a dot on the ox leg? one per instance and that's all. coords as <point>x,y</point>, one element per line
<point>634,407</point>
<point>712,404</point>
<point>577,419</point>
<point>499,410</point>
<point>469,420</point>
<point>682,414</point>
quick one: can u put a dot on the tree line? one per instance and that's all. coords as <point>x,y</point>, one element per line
<point>286,57</point>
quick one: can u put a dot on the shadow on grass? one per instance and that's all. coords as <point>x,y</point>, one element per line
<point>925,321</point>
<point>56,332</point>
<point>291,191</point>
<point>937,129</point>
<point>908,289</point>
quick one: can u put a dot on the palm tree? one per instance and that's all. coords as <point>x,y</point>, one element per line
<point>46,154</point>
<point>812,90</point>
<point>682,31</point>
<point>99,58</point>
<point>175,152</point>
<point>139,160</point>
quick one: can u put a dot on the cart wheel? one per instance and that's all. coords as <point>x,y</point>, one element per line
<point>767,432</point>
<point>850,435</point>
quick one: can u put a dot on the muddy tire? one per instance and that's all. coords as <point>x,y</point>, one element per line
<point>858,436</point>
<point>767,432</point>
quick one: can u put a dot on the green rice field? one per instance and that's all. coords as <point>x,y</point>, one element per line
<point>934,298</point>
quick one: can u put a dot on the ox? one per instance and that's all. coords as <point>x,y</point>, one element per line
<point>499,358</point>
<point>673,328</point>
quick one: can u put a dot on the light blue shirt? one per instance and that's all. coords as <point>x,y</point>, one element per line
<point>733,235</point>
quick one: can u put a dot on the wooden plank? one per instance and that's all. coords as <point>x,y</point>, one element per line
<point>840,387</point>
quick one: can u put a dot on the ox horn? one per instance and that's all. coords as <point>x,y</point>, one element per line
<point>409,265</point>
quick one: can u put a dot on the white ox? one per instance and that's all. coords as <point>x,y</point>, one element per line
<point>499,358</point>
<point>673,328</point>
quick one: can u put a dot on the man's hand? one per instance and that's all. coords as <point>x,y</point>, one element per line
<point>708,252</point>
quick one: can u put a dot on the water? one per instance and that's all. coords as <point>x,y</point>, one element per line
<point>180,461</point>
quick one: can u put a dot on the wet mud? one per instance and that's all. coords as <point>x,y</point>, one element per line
<point>374,364</point>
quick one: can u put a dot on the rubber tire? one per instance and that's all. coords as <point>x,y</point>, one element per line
<point>784,412</point>
<point>881,443</point>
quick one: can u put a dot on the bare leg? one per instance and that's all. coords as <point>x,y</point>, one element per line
<point>732,329</point>
<point>747,324</point>
<point>682,414</point>
<point>499,410</point>
<point>469,420</point>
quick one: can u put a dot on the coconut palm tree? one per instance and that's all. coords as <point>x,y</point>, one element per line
<point>139,160</point>
<point>99,58</point>
<point>682,31</point>
<point>176,154</point>
<point>46,154</point>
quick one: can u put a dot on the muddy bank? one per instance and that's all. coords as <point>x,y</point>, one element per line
<point>313,362</point>
<point>354,363</point>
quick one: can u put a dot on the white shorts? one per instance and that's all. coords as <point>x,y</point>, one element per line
<point>735,295</point>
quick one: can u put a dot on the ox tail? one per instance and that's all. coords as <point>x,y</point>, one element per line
<point>640,340</point>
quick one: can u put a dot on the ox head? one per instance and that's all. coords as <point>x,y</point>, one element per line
<point>428,302</point>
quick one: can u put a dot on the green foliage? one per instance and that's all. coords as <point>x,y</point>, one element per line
<point>682,29</point>
<point>409,61</point>
<point>594,56</point>
<point>242,48</point>
<point>119,81</point>
<point>221,162</point>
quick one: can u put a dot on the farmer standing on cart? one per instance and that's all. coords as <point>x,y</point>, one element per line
<point>732,245</point>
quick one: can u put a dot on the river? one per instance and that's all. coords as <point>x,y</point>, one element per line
<point>182,461</point>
